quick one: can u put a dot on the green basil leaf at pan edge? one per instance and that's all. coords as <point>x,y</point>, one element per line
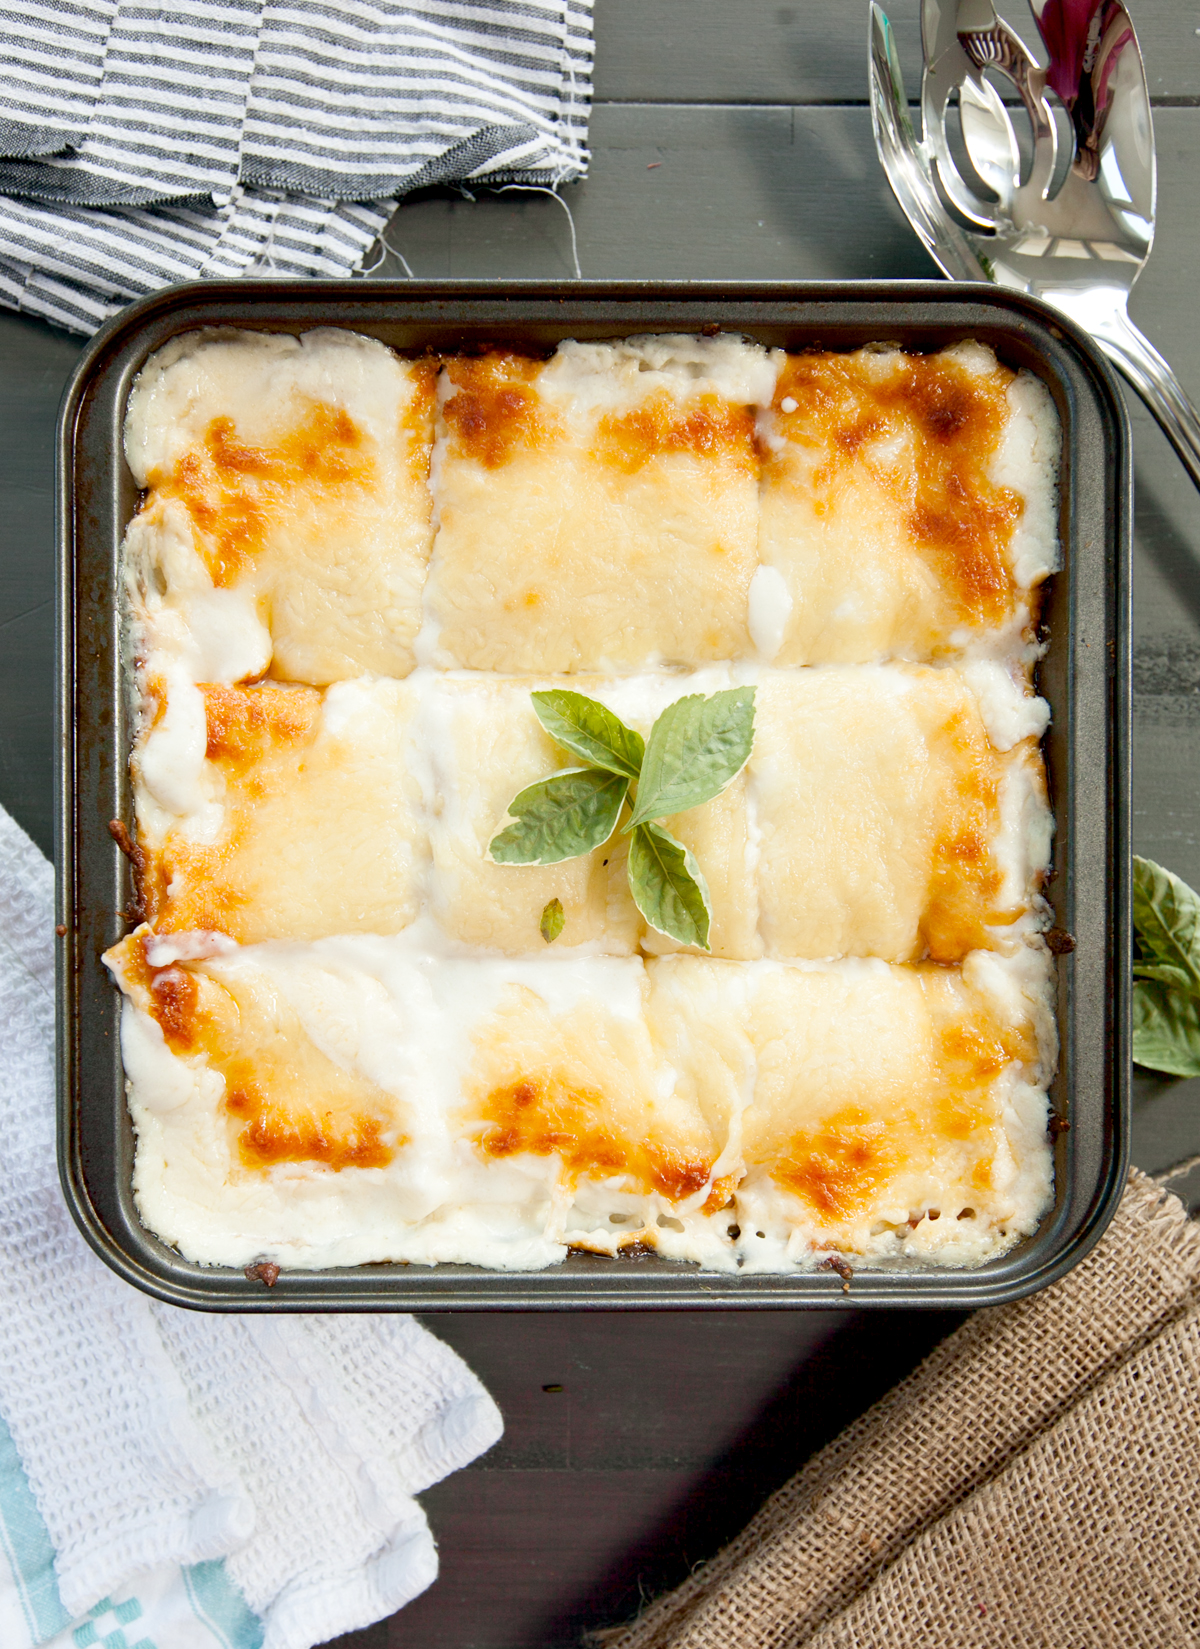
<point>590,731</point>
<point>695,748</point>
<point>552,921</point>
<point>561,817</point>
<point>668,886</point>
<point>1166,920</point>
<point>1166,1028</point>
<point>1165,974</point>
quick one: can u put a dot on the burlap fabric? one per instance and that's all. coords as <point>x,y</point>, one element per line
<point>1035,1482</point>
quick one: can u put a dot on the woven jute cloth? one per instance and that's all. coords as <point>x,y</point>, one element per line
<point>1035,1482</point>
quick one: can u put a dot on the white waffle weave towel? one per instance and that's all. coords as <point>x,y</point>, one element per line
<point>172,1480</point>
<point>142,144</point>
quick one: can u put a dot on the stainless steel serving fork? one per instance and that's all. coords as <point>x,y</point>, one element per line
<point>1075,223</point>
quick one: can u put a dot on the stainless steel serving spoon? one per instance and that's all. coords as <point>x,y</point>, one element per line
<point>1077,227</point>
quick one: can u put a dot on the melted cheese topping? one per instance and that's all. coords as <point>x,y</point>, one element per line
<point>305,823</point>
<point>877,795</point>
<point>286,482</point>
<point>345,1039</point>
<point>754,1116</point>
<point>875,817</point>
<point>600,511</point>
<point>907,504</point>
<point>285,1100</point>
<point>476,744</point>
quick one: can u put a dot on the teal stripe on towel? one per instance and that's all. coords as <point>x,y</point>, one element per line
<point>27,1546</point>
<point>219,1604</point>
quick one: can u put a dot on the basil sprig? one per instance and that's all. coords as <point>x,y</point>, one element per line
<point>561,817</point>
<point>1166,971</point>
<point>696,748</point>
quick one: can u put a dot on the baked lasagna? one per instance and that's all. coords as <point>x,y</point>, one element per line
<point>345,1036</point>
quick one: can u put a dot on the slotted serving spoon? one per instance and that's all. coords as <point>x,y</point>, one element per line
<point>1077,228</point>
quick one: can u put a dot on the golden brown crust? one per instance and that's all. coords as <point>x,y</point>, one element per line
<point>959,519</point>
<point>544,1116</point>
<point>706,427</point>
<point>496,410</point>
<point>284,1099</point>
<point>235,492</point>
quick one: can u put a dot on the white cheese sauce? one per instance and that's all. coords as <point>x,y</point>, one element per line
<point>409,1012</point>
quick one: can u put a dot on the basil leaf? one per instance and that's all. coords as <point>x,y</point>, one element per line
<point>1166,991</point>
<point>590,731</point>
<point>1166,1028</point>
<point>561,817</point>
<point>695,748</point>
<point>552,921</point>
<point>668,886</point>
<point>1166,920</point>
<point>1165,974</point>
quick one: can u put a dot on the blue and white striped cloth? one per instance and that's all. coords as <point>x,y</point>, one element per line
<point>174,1479</point>
<point>145,143</point>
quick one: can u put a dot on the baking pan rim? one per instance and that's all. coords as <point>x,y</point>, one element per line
<point>827,312</point>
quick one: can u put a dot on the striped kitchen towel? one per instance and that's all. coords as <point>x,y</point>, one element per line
<point>143,144</point>
<point>177,1480</point>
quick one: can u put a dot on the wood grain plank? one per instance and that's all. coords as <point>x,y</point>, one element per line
<point>681,1426</point>
<point>625,1380</point>
<point>679,193</point>
<point>36,362</point>
<point>759,51</point>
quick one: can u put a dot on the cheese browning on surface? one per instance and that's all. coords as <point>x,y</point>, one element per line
<point>878,805</point>
<point>875,817</point>
<point>287,494</point>
<point>345,1036</point>
<point>600,511</point>
<point>284,1099</point>
<point>306,821</point>
<point>303,1101</point>
<point>907,505</point>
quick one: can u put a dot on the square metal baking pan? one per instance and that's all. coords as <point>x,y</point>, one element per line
<point>1085,676</point>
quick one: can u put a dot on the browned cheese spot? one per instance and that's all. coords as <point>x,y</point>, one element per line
<point>707,427</point>
<point>234,492</point>
<point>839,1166</point>
<point>291,1102</point>
<point>722,1191</point>
<point>971,1053</point>
<point>965,880</point>
<point>543,1116</point>
<point>416,420</point>
<point>256,736</point>
<point>497,410</point>
<point>958,519</point>
<point>173,996</point>
<point>246,724</point>
<point>273,1132</point>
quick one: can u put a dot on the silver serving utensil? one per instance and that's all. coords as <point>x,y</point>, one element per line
<point>1078,228</point>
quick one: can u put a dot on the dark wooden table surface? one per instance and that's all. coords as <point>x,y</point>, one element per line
<point>729,141</point>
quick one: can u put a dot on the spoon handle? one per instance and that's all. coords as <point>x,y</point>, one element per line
<point>1133,353</point>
